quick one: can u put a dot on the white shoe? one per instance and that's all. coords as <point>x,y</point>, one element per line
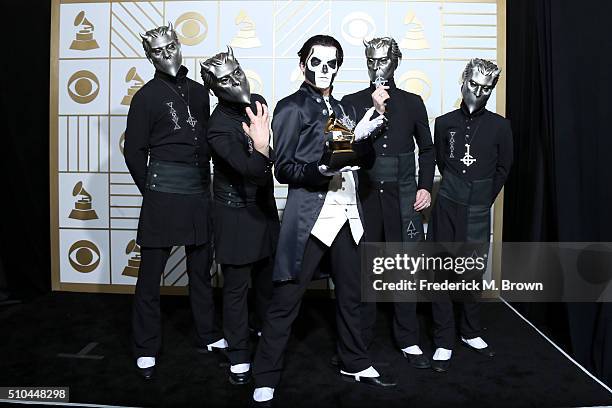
<point>442,354</point>
<point>477,342</point>
<point>415,350</point>
<point>145,362</point>
<point>263,394</point>
<point>219,345</point>
<point>240,368</point>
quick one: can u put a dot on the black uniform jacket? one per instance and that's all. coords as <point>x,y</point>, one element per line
<point>245,217</point>
<point>407,123</point>
<point>157,129</point>
<point>298,127</point>
<point>490,138</point>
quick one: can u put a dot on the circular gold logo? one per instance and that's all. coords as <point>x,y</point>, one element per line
<point>84,256</point>
<point>357,26</point>
<point>83,86</point>
<point>416,82</point>
<point>191,28</point>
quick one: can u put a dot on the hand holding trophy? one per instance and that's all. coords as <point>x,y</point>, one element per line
<point>339,153</point>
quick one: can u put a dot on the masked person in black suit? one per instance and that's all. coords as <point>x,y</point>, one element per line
<point>322,217</point>
<point>391,197</point>
<point>168,157</point>
<point>474,154</point>
<point>245,218</point>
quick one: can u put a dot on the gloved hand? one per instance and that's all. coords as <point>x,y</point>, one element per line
<point>367,125</point>
<point>326,171</point>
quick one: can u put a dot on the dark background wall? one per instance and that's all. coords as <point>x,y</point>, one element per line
<point>558,99</point>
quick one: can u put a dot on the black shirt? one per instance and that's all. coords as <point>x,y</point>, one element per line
<point>157,124</point>
<point>490,138</point>
<point>407,122</point>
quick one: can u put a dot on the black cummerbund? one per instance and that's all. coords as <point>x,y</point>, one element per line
<point>177,178</point>
<point>390,168</point>
<point>464,192</point>
<point>226,192</point>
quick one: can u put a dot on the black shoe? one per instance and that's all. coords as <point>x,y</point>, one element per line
<point>240,378</point>
<point>147,373</point>
<point>335,360</point>
<point>382,381</point>
<point>440,366</point>
<point>487,351</point>
<point>417,360</point>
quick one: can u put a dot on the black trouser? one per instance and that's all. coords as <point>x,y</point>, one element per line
<point>287,297</point>
<point>405,322</point>
<point>450,225</point>
<point>146,315</point>
<point>235,305</point>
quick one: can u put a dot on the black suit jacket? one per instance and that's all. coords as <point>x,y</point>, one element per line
<point>298,126</point>
<point>245,217</point>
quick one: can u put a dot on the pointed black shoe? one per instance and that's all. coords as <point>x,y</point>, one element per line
<point>417,360</point>
<point>240,378</point>
<point>440,366</point>
<point>147,373</point>
<point>487,351</point>
<point>382,381</point>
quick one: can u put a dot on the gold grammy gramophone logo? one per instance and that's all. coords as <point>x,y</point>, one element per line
<point>82,207</point>
<point>133,265</point>
<point>84,256</point>
<point>246,36</point>
<point>84,37</point>
<point>416,82</point>
<point>83,86</point>
<point>136,83</point>
<point>191,28</point>
<point>414,39</point>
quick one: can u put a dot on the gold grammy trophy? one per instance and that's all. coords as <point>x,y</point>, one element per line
<point>338,151</point>
<point>84,37</point>
<point>137,83</point>
<point>134,262</point>
<point>414,39</point>
<point>246,36</point>
<point>82,207</point>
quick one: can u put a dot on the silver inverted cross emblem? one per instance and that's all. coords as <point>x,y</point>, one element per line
<point>468,159</point>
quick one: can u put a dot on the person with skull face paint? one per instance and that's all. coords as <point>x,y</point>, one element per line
<point>391,198</point>
<point>245,215</point>
<point>474,154</point>
<point>322,217</point>
<point>168,157</point>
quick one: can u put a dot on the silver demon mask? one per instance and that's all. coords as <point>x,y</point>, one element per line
<point>223,75</point>
<point>383,56</point>
<point>163,49</point>
<point>321,66</point>
<point>479,79</point>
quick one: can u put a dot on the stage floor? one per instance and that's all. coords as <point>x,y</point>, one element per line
<point>527,371</point>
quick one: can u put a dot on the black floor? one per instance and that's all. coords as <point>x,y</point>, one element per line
<point>527,371</point>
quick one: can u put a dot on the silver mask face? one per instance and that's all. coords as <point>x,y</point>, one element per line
<point>163,49</point>
<point>321,66</point>
<point>479,80</point>
<point>380,64</point>
<point>224,76</point>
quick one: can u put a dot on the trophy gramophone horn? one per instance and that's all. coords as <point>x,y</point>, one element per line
<point>338,151</point>
<point>81,19</point>
<point>132,246</point>
<point>132,75</point>
<point>84,37</point>
<point>334,124</point>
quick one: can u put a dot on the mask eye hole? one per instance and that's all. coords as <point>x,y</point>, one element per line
<point>315,61</point>
<point>171,47</point>
<point>332,64</point>
<point>224,81</point>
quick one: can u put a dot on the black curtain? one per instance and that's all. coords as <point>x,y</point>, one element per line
<point>558,99</point>
<point>24,163</point>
